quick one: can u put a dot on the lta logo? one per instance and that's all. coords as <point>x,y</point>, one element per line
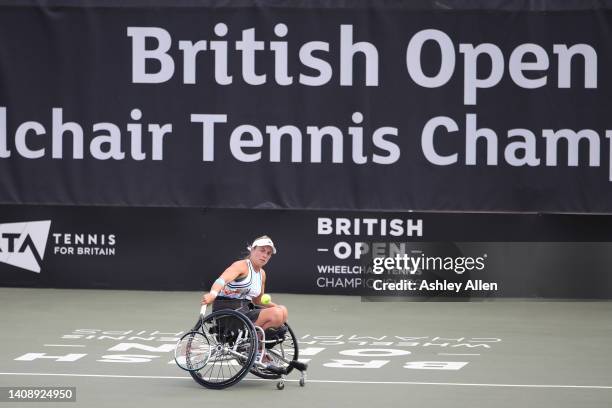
<point>22,244</point>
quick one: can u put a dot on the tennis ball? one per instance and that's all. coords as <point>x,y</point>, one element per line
<point>265,299</point>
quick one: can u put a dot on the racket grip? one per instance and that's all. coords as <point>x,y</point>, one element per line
<point>203,310</point>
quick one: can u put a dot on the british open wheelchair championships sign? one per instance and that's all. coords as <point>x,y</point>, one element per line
<point>316,107</point>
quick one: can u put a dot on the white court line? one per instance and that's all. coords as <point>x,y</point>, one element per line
<point>606,387</point>
<point>457,354</point>
<point>64,345</point>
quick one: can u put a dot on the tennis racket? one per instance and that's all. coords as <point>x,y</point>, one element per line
<point>193,350</point>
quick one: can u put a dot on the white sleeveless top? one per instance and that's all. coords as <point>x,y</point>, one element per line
<point>247,288</point>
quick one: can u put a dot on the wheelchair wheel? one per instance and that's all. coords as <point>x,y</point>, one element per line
<point>233,343</point>
<point>282,352</point>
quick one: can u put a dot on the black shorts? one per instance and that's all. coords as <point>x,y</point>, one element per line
<point>242,305</point>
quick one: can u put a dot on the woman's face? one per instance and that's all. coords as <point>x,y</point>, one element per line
<point>260,255</point>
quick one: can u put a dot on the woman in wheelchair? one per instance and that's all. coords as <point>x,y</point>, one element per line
<point>242,284</point>
<point>241,335</point>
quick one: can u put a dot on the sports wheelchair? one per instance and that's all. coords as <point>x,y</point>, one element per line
<point>225,345</point>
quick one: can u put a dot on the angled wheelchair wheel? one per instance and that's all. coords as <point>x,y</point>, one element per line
<point>233,346</point>
<point>282,351</point>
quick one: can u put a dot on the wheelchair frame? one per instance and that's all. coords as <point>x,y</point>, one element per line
<point>234,343</point>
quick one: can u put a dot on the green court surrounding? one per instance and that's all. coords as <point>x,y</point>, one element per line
<point>505,353</point>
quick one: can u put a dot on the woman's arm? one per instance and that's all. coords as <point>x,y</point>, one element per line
<point>235,270</point>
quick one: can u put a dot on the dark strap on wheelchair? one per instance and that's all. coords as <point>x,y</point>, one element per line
<point>298,365</point>
<point>276,370</point>
<point>222,302</point>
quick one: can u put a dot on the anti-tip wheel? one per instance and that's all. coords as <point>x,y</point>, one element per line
<point>280,385</point>
<point>302,382</point>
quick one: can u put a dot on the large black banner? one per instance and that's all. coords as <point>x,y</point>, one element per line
<point>445,256</point>
<point>307,106</point>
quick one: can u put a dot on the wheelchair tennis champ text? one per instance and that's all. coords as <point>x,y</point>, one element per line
<point>371,142</point>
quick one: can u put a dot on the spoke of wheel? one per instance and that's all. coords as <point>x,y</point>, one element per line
<point>224,355</point>
<point>215,343</point>
<point>209,369</point>
<point>233,371</point>
<point>221,371</point>
<point>220,367</point>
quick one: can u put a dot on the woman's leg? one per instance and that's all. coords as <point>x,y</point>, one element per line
<point>285,313</point>
<point>272,317</point>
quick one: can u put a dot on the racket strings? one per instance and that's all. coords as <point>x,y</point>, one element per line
<point>193,351</point>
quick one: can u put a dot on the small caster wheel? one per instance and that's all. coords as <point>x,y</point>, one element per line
<point>280,385</point>
<point>302,381</point>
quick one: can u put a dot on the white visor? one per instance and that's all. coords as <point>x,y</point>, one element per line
<point>263,242</point>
